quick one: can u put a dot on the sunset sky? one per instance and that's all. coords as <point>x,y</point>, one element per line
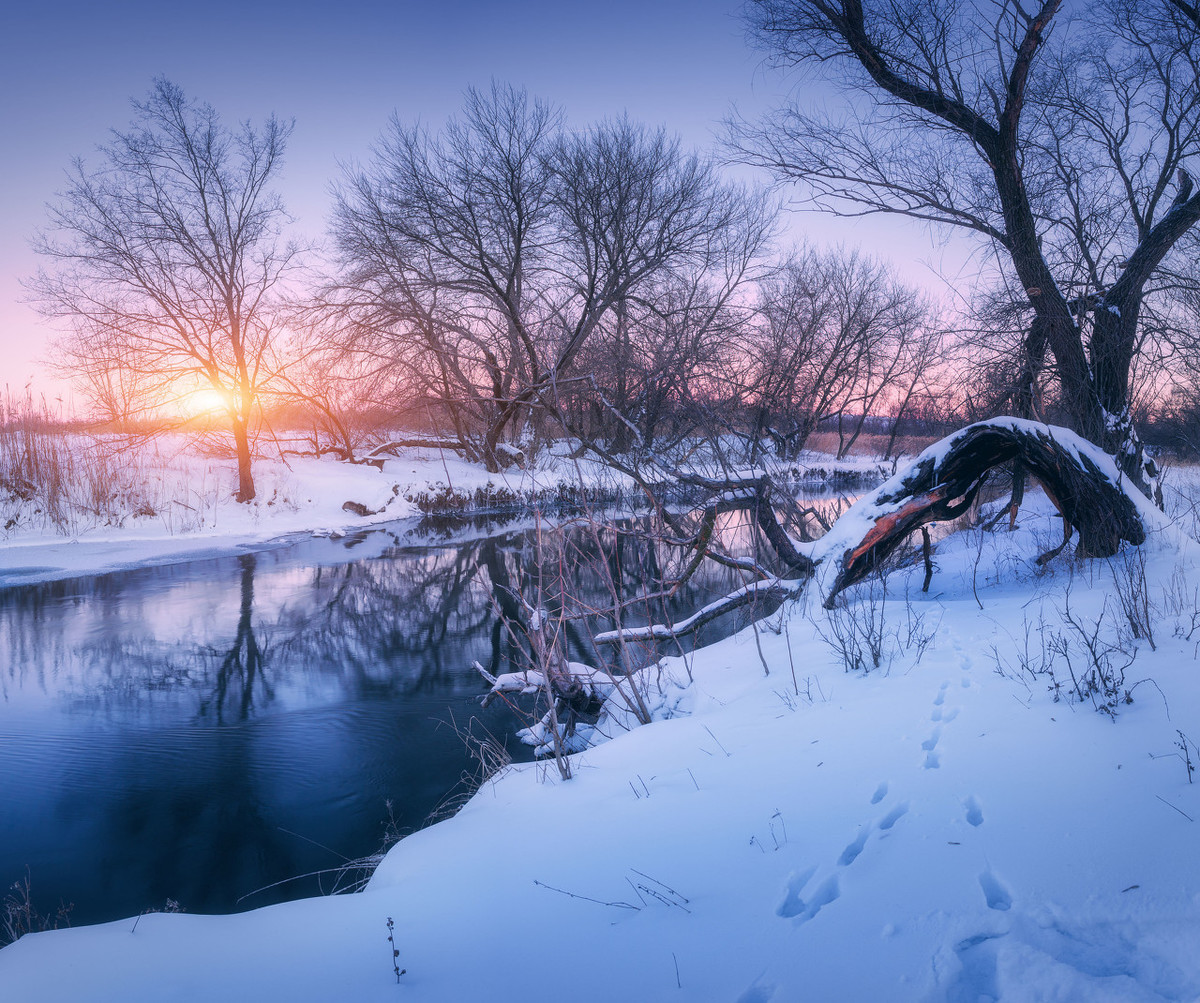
<point>68,71</point>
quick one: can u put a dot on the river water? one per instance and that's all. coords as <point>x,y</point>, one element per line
<point>209,732</point>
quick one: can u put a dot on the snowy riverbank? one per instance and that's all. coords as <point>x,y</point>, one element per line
<point>942,828</point>
<point>190,512</point>
<point>179,505</point>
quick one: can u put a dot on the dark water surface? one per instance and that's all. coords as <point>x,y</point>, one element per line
<point>200,731</point>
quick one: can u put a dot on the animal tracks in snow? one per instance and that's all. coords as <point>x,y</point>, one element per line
<point>796,906</point>
<point>941,716</point>
<point>974,812</point>
<point>850,854</point>
<point>893,816</point>
<point>880,793</point>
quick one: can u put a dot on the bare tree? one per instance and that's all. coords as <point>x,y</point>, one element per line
<point>661,368</point>
<point>167,260</point>
<point>1061,156</point>
<point>837,337</point>
<point>483,259</point>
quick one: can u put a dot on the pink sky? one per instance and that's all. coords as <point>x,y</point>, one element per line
<point>67,73</point>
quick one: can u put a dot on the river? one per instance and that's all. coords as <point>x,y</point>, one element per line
<point>227,733</point>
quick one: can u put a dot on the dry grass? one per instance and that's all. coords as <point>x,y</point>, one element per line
<point>56,477</point>
<point>18,916</point>
<point>869,444</point>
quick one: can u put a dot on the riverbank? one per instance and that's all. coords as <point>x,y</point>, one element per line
<point>179,505</point>
<point>980,816</point>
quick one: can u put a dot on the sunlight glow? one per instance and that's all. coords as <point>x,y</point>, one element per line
<point>203,403</point>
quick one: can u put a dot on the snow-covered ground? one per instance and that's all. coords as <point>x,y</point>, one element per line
<point>961,823</point>
<point>179,505</point>
<point>190,511</point>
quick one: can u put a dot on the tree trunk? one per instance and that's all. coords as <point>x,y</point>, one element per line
<point>241,439</point>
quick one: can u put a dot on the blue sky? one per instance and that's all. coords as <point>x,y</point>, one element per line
<point>69,70</point>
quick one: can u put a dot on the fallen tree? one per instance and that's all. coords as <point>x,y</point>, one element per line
<point>1081,480</point>
<point>1084,483</point>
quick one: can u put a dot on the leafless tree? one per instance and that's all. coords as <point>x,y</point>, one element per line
<point>661,368</point>
<point>167,260</point>
<point>1065,154</point>
<point>483,259</point>
<point>837,337</point>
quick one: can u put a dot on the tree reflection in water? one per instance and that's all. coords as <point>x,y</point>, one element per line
<point>199,731</point>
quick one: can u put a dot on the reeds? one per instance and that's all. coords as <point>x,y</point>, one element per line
<point>59,477</point>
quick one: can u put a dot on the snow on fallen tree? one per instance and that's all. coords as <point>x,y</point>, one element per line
<point>1083,482</point>
<point>574,691</point>
<point>769,588</point>
<point>1080,479</point>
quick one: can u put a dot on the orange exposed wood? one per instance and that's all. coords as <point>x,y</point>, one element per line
<point>886,525</point>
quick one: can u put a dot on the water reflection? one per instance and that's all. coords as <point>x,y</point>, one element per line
<point>200,731</point>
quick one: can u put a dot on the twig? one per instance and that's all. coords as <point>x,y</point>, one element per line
<point>718,741</point>
<point>587,898</point>
<point>1180,810</point>
<point>758,644</point>
<point>791,661</point>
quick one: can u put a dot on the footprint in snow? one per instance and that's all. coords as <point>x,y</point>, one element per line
<point>893,816</point>
<point>795,907</point>
<point>850,854</point>
<point>941,696</point>
<point>932,759</point>
<point>974,812</point>
<point>793,904</point>
<point>880,793</point>
<point>976,979</point>
<point>997,896</point>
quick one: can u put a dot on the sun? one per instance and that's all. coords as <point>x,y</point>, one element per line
<point>203,403</point>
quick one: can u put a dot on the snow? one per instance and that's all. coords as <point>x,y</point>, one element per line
<point>942,829</point>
